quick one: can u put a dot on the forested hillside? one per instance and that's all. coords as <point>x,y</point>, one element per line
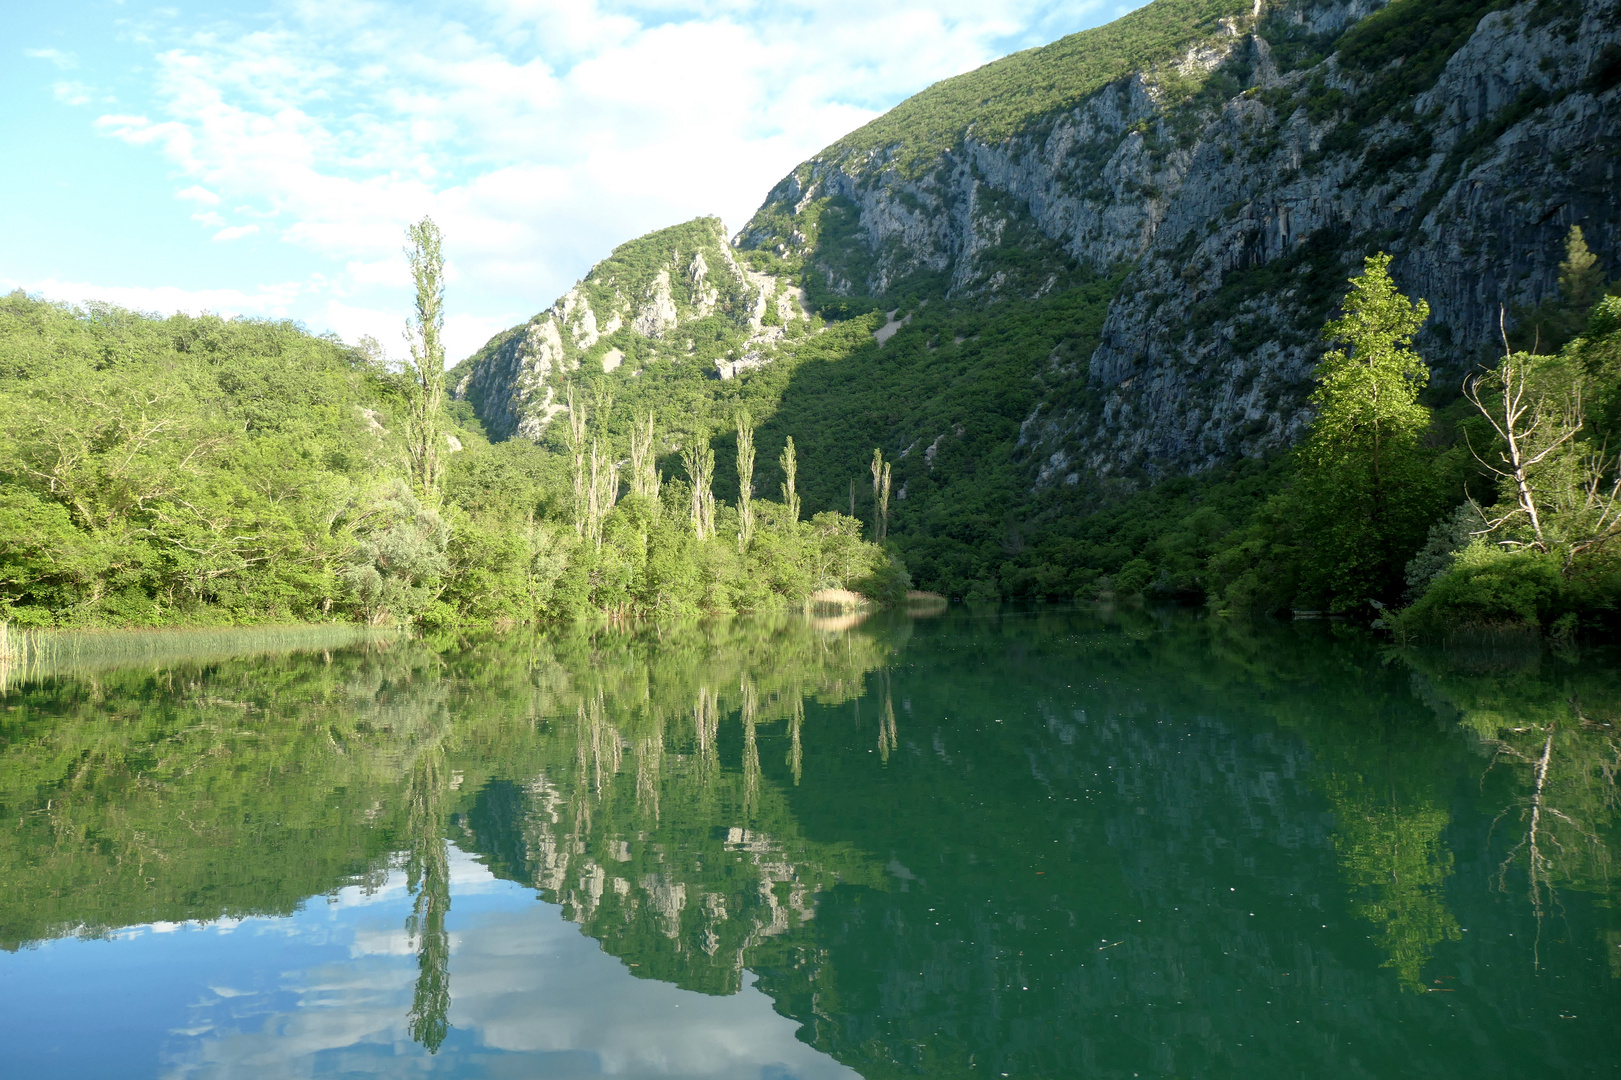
<point>198,470</point>
<point>1283,307</point>
<point>1076,299</point>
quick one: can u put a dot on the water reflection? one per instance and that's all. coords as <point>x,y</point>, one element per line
<point>1043,844</point>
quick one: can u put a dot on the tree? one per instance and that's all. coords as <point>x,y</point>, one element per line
<point>745,478</point>
<point>699,460</point>
<point>644,477</point>
<point>427,363</point>
<point>1558,319</point>
<point>1534,423</point>
<point>576,445</point>
<point>880,494</point>
<point>1581,278</point>
<point>790,471</point>
<point>1367,494</point>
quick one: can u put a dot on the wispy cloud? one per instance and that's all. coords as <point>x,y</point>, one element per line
<point>65,61</point>
<point>275,301</point>
<point>538,133</point>
<point>72,93</point>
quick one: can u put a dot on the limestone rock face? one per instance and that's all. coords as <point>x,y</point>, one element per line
<point>1241,212</point>
<point>632,304</point>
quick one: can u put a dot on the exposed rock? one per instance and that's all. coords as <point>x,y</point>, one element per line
<point>658,314</point>
<point>516,381</point>
<point>1242,217</point>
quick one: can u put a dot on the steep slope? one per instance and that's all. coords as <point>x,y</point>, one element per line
<point>1087,268</point>
<point>1242,179</point>
<point>678,292</point>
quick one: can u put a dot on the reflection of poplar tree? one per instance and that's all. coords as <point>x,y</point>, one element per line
<point>1395,862</point>
<point>751,748</point>
<point>706,719</point>
<point>796,720</point>
<point>649,766</point>
<point>887,740</point>
<point>428,873</point>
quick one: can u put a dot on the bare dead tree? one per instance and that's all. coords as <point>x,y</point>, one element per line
<point>1531,425</point>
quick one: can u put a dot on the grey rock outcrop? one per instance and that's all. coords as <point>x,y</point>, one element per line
<point>631,304</point>
<point>1241,213</point>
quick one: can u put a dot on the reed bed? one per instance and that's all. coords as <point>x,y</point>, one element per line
<point>26,655</point>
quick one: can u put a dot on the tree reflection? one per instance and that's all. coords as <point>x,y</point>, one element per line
<point>428,876</point>
<point>1392,854</point>
<point>1550,724</point>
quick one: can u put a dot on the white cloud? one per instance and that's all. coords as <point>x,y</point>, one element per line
<point>272,301</point>
<point>236,232</point>
<point>72,93</point>
<point>538,133</point>
<point>64,61</point>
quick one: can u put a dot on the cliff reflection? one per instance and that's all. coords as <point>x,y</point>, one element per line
<point>1040,841</point>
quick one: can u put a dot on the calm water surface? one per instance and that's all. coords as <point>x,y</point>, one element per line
<point>1029,844</point>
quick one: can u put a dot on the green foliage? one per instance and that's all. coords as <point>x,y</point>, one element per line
<point>1004,98</point>
<point>1559,319</point>
<point>1542,552</point>
<point>172,470</point>
<point>157,472</point>
<point>1366,487</point>
<point>1488,588</point>
<point>398,560</point>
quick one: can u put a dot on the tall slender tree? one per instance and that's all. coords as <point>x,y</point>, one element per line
<point>877,479</point>
<point>427,363</point>
<point>1368,492</point>
<point>699,459</point>
<point>883,505</point>
<point>745,479</point>
<point>790,472</point>
<point>644,477</point>
<point>881,475</point>
<point>576,444</point>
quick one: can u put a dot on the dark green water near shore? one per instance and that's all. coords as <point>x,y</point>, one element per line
<point>1039,843</point>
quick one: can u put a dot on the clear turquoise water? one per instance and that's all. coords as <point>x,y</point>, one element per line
<point>1038,843</point>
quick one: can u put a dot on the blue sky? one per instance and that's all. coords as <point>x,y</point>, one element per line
<point>263,158</point>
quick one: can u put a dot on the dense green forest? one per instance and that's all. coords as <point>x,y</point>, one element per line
<point>194,470</point>
<point>200,470</point>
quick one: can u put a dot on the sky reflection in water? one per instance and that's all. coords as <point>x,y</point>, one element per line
<point>326,991</point>
<point>1040,844</point>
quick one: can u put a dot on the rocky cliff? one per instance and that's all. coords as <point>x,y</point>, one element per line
<point>1229,161</point>
<point>1241,176</point>
<point>679,292</point>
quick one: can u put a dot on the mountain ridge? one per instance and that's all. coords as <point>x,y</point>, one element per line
<point>1203,209</point>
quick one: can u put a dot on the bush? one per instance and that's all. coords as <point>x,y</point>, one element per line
<point>1488,588</point>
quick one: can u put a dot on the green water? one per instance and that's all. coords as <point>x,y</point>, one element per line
<point>1040,843</point>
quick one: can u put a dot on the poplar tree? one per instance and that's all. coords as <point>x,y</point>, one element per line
<point>877,481</point>
<point>699,459</point>
<point>644,477</point>
<point>576,445</point>
<point>1367,492</point>
<point>745,478</point>
<point>790,471</point>
<point>426,389</point>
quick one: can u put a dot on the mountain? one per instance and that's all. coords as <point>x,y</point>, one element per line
<point>1088,269</point>
<point>680,290</point>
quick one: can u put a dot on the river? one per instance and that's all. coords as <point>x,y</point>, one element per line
<point>1023,843</point>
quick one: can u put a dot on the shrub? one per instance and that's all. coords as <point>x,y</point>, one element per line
<point>1488,588</point>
